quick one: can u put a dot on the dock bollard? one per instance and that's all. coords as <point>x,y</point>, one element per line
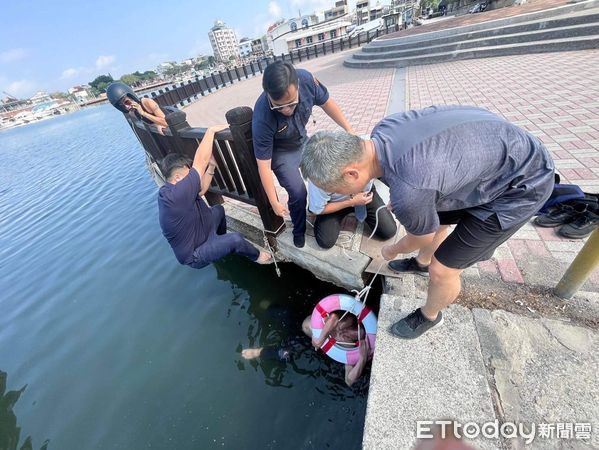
<point>581,268</point>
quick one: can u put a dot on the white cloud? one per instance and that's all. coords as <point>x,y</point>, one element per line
<point>275,10</point>
<point>12,55</point>
<point>104,61</point>
<point>69,73</point>
<point>310,6</point>
<point>21,88</point>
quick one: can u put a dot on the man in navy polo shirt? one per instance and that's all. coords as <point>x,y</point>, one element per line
<point>196,232</point>
<point>444,165</point>
<point>279,131</point>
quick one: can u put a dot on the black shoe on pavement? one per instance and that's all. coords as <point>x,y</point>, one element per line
<point>414,325</point>
<point>408,265</point>
<point>582,226</point>
<point>299,240</point>
<point>561,215</point>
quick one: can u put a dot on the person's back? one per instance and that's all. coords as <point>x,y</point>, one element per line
<point>196,232</point>
<point>456,157</point>
<point>184,217</point>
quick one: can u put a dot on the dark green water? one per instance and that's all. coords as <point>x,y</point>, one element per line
<point>119,346</point>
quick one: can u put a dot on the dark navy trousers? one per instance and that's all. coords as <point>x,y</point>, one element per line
<point>285,165</point>
<point>220,243</point>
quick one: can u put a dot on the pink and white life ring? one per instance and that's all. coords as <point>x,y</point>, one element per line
<point>343,302</point>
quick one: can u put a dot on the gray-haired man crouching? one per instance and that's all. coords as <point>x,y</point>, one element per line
<point>443,165</point>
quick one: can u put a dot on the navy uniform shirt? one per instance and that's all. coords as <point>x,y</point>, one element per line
<point>185,218</point>
<point>447,158</point>
<point>272,131</point>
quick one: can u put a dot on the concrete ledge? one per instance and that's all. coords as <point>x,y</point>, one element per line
<point>506,39</point>
<point>438,376</point>
<point>544,371</point>
<point>556,45</point>
<point>537,15</point>
<point>331,265</point>
<point>343,268</point>
<point>573,20</point>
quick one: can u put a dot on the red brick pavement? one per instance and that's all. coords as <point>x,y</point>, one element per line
<point>556,97</point>
<point>361,94</point>
<point>469,19</point>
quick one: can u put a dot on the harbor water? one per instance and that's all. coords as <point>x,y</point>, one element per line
<point>114,344</point>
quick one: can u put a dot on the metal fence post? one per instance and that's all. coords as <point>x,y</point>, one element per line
<point>581,268</point>
<point>240,124</point>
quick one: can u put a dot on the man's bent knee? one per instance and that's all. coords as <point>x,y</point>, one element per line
<point>439,272</point>
<point>324,242</point>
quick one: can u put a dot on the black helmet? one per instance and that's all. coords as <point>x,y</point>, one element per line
<point>115,93</point>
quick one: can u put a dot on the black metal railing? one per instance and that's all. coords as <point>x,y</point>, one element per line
<point>188,91</point>
<point>236,175</point>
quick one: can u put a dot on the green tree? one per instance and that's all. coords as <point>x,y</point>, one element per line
<point>202,65</point>
<point>131,79</point>
<point>100,83</point>
<point>147,75</point>
<point>175,69</point>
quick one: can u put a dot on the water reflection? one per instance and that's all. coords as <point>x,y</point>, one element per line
<point>276,308</point>
<point>10,433</point>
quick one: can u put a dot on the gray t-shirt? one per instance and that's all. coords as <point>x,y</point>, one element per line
<point>447,158</point>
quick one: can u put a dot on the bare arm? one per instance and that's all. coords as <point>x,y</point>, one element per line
<point>334,112</point>
<point>362,198</point>
<point>204,150</point>
<point>155,115</point>
<point>329,324</point>
<point>269,186</point>
<point>207,177</point>
<point>352,373</point>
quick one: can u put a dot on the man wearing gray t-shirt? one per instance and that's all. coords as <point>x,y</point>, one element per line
<point>444,165</point>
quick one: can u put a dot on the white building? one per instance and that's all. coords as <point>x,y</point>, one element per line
<point>365,12</point>
<point>339,10</point>
<point>40,97</point>
<point>245,47</point>
<point>279,34</point>
<point>81,94</point>
<point>224,42</point>
<point>317,34</point>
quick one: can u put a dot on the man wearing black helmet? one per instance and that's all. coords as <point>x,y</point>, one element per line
<point>124,99</point>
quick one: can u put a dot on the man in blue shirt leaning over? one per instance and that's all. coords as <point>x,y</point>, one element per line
<point>196,232</point>
<point>279,131</point>
<point>444,165</point>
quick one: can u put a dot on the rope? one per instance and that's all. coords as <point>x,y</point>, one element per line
<point>269,248</point>
<point>376,224</point>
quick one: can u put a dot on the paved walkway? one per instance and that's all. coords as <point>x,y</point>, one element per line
<point>556,97</point>
<point>362,95</point>
<point>470,19</point>
<point>553,95</point>
<point>482,366</point>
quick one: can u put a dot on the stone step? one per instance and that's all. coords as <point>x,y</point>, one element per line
<point>508,39</point>
<point>563,22</point>
<point>544,15</point>
<point>552,45</point>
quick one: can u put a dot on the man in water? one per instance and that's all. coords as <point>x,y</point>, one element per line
<point>279,130</point>
<point>341,328</point>
<point>330,209</point>
<point>443,165</point>
<point>124,99</point>
<point>196,232</point>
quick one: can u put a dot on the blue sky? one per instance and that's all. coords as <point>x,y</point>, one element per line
<point>53,45</point>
